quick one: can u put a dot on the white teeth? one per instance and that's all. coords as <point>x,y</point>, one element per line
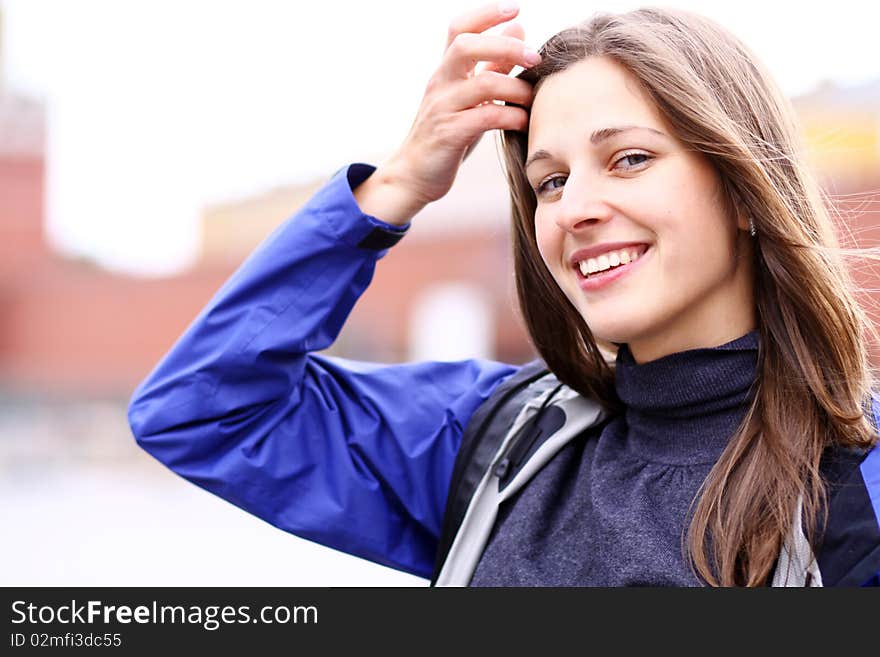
<point>608,260</point>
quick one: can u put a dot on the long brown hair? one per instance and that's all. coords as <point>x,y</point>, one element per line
<point>814,378</point>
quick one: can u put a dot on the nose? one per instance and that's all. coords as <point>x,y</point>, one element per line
<point>583,203</point>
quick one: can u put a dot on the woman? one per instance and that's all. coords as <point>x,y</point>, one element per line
<point>706,414</point>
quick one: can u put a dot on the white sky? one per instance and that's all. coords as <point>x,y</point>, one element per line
<point>158,108</point>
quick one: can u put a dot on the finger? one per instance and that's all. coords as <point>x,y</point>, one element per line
<point>462,56</point>
<point>480,20</point>
<point>514,30</point>
<point>486,87</point>
<point>494,117</point>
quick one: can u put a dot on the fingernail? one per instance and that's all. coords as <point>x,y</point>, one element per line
<point>508,7</point>
<point>531,56</point>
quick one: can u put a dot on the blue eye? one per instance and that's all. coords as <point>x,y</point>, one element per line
<point>629,157</point>
<point>540,188</point>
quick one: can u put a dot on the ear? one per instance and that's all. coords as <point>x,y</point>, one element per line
<point>742,220</point>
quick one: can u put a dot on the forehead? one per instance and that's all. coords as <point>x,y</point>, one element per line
<point>591,94</point>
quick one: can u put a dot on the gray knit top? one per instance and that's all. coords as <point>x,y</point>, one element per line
<point>610,508</point>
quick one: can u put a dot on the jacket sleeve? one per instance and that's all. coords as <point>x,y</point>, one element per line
<point>356,456</point>
<point>870,472</point>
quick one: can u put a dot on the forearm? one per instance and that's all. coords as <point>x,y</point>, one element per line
<point>290,297</point>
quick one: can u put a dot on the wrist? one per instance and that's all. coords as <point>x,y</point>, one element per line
<point>386,196</point>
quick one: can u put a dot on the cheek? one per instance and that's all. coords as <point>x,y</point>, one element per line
<point>701,248</point>
<point>549,241</point>
<point>698,233</point>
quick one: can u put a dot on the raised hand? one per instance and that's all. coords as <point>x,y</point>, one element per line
<point>456,110</point>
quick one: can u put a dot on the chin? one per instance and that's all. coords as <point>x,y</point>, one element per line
<point>622,330</point>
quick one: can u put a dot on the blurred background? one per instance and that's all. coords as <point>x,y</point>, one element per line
<point>147,147</point>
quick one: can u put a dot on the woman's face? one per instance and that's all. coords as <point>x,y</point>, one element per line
<point>612,182</point>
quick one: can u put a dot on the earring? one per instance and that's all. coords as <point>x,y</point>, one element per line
<point>752,230</point>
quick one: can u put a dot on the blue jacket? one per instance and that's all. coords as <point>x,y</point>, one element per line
<point>356,456</point>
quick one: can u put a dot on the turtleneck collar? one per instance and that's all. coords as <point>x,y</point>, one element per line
<point>683,408</point>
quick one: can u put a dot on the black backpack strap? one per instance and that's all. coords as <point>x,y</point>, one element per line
<point>482,437</point>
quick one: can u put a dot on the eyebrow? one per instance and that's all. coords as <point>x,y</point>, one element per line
<point>597,137</point>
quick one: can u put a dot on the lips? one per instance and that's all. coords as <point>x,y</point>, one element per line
<point>607,277</point>
<point>607,247</point>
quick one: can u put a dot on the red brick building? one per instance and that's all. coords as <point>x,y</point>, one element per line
<point>68,327</point>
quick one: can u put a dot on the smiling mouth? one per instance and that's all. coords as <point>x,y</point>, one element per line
<point>611,261</point>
